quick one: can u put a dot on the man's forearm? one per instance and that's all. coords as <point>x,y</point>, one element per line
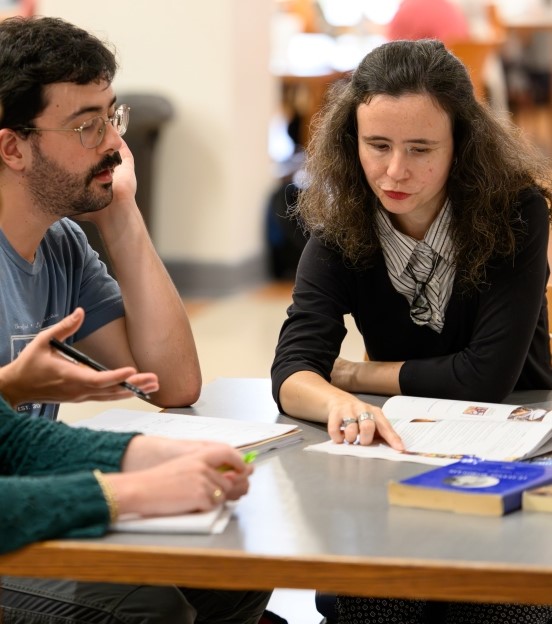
<point>158,328</point>
<point>9,387</point>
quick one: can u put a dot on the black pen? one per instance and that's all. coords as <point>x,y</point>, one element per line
<point>72,353</point>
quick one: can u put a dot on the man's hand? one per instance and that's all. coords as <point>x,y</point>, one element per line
<point>124,193</point>
<point>124,177</point>
<point>40,374</point>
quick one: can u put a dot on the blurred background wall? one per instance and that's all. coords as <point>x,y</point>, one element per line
<point>234,70</point>
<point>212,172</point>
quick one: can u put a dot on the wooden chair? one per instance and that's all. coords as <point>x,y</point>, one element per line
<point>474,54</point>
<point>307,12</point>
<point>495,21</point>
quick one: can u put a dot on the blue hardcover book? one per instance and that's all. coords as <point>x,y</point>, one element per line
<point>471,486</point>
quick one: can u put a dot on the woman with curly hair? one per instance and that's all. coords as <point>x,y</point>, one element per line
<point>428,220</point>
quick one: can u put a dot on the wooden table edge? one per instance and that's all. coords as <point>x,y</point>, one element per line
<point>227,569</point>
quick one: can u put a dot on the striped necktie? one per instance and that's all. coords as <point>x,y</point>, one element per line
<point>421,268</point>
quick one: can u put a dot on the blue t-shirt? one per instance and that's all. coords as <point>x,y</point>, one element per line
<point>65,274</point>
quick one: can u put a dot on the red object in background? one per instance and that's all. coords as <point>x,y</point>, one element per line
<point>24,8</point>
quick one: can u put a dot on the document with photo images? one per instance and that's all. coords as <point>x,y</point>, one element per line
<point>440,431</point>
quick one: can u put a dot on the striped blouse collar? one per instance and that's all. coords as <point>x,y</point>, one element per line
<point>398,247</point>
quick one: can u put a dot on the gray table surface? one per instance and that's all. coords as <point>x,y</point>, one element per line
<point>304,503</point>
<point>320,521</point>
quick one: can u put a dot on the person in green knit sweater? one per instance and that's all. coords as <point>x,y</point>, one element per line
<point>51,486</point>
<point>48,485</point>
<point>57,481</point>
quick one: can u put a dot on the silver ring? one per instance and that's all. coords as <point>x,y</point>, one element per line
<point>366,416</point>
<point>349,421</point>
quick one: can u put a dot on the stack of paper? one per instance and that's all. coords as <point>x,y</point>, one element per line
<point>242,434</point>
<point>213,521</point>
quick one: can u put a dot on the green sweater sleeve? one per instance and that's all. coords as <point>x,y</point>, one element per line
<point>46,483</point>
<point>38,508</point>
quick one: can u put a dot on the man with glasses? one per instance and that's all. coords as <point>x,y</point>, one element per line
<point>62,155</point>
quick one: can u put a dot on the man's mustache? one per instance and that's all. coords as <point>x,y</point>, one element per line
<point>108,162</point>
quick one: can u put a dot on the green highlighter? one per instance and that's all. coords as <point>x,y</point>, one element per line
<point>250,456</point>
<point>247,458</point>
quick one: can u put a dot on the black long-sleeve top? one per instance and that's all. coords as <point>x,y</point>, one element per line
<point>494,340</point>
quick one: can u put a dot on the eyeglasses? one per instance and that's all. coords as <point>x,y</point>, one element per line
<point>92,131</point>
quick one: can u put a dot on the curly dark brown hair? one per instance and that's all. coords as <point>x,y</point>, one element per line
<point>493,163</point>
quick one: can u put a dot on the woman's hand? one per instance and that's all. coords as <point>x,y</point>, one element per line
<point>351,419</point>
<point>147,451</point>
<point>306,394</point>
<point>203,476</point>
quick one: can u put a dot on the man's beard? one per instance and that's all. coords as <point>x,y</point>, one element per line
<point>60,193</point>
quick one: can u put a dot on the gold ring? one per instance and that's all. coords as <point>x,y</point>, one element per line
<point>216,495</point>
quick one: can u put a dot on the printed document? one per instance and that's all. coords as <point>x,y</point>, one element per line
<point>441,431</point>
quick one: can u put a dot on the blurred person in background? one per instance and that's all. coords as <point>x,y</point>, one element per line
<point>453,21</point>
<point>428,19</point>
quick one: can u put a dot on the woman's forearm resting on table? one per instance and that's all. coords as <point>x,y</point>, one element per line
<point>367,377</point>
<point>307,395</point>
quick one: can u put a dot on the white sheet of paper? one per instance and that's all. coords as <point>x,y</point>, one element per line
<point>201,522</point>
<point>376,451</point>
<point>235,432</point>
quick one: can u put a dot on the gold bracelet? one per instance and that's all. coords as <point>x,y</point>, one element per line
<point>109,495</point>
